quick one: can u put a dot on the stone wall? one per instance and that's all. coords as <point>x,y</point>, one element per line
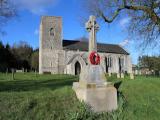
<point>50,50</point>
<point>63,62</point>
<point>73,56</point>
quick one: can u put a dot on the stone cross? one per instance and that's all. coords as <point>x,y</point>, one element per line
<point>92,27</point>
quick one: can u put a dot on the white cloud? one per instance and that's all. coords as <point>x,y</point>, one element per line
<point>124,43</point>
<point>36,32</point>
<point>35,6</point>
<point>123,22</point>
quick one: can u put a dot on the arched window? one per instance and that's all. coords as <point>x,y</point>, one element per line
<point>108,62</point>
<point>121,61</point>
<point>77,68</point>
<point>51,32</point>
<point>121,64</point>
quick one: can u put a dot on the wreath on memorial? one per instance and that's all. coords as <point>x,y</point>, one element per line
<point>94,58</point>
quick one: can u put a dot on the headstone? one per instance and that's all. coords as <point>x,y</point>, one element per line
<point>118,75</point>
<point>7,71</point>
<point>35,72</point>
<point>23,70</point>
<point>109,74</point>
<point>92,87</point>
<point>19,71</point>
<point>122,75</point>
<point>131,76</point>
<point>13,72</point>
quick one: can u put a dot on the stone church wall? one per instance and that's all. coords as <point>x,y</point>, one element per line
<point>114,68</point>
<point>51,55</point>
<point>52,62</point>
<point>53,59</point>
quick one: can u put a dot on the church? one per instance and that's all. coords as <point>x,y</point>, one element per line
<point>59,56</point>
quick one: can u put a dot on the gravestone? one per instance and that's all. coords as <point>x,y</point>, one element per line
<point>131,76</point>
<point>118,75</point>
<point>92,87</point>
<point>109,74</point>
<point>122,75</point>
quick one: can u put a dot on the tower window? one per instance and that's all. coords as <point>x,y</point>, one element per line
<point>51,32</point>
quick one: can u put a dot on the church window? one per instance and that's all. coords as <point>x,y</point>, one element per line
<point>110,62</point>
<point>51,32</point>
<point>122,62</point>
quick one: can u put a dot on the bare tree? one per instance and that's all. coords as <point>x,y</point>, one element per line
<point>144,14</point>
<point>35,60</point>
<point>7,11</point>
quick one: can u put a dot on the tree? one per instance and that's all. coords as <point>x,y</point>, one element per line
<point>7,59</point>
<point>19,56</point>
<point>35,60</point>
<point>2,60</point>
<point>22,52</point>
<point>144,14</point>
<point>150,62</point>
<point>7,11</point>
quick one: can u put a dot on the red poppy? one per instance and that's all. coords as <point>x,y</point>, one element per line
<point>94,58</point>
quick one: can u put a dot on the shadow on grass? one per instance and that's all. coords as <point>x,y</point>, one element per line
<point>30,85</point>
<point>117,84</point>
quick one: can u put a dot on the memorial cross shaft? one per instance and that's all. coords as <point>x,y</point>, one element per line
<point>92,27</point>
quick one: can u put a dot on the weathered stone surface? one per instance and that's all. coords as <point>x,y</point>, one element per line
<point>51,56</point>
<point>101,99</point>
<point>94,90</point>
<point>92,27</point>
<point>93,74</point>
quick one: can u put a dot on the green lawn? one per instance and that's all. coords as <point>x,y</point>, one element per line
<point>46,97</point>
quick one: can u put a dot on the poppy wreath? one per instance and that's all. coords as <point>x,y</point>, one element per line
<point>94,58</point>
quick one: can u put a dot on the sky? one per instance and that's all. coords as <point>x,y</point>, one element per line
<point>26,26</point>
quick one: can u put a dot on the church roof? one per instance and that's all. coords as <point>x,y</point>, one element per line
<point>83,46</point>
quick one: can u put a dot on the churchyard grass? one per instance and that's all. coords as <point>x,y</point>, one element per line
<point>45,97</point>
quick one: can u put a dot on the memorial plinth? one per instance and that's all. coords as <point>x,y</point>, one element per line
<point>93,89</point>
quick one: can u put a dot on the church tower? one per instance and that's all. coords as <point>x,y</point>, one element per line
<point>50,44</point>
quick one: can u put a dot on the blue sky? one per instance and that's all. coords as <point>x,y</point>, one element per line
<point>26,26</point>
